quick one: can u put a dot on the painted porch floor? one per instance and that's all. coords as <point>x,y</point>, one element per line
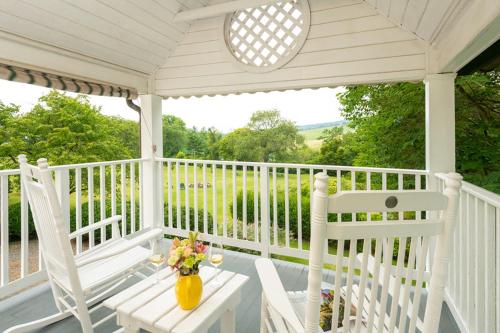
<point>37,302</point>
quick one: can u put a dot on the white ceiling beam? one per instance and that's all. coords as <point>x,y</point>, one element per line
<point>467,36</point>
<point>219,9</point>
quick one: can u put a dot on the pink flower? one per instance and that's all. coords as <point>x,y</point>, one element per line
<point>200,247</point>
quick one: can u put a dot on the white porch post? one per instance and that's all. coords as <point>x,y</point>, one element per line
<point>439,131</point>
<point>151,146</point>
<point>440,122</point>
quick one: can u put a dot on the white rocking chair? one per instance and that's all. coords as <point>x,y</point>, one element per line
<point>366,292</point>
<point>81,281</point>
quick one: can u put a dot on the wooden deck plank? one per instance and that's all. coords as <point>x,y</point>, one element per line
<point>294,277</point>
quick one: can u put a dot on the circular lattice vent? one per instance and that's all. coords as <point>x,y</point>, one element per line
<point>267,37</point>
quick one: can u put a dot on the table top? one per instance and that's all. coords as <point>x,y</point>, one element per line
<point>152,305</point>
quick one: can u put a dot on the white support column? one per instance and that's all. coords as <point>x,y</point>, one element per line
<point>151,146</point>
<point>439,132</point>
<point>440,122</point>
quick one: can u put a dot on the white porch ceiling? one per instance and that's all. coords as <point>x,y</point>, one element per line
<point>136,43</point>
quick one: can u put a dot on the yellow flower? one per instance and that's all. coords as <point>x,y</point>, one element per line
<point>176,242</point>
<point>185,242</point>
<point>188,251</point>
<point>200,257</point>
<point>172,260</point>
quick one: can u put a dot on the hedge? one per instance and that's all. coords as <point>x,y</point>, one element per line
<point>210,219</point>
<point>292,208</point>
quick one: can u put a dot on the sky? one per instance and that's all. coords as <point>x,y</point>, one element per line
<point>225,113</point>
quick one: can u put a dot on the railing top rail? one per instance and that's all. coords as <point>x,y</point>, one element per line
<point>94,164</point>
<point>9,172</point>
<point>12,172</point>
<point>479,192</point>
<point>301,166</point>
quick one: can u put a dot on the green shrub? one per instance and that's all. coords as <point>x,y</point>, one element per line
<point>15,218</point>
<point>281,216</point>
<point>183,225</point>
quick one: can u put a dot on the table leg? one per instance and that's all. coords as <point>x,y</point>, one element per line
<point>228,322</point>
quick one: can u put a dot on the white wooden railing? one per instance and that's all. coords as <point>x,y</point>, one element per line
<point>115,184</point>
<point>203,195</point>
<point>270,185</point>
<point>473,289</point>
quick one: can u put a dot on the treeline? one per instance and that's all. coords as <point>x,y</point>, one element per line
<point>386,128</point>
<point>65,130</point>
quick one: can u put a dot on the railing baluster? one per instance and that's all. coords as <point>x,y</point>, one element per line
<point>244,208</point>
<point>141,216</point>
<point>368,188</point>
<point>353,188</point>
<point>497,263</point>
<point>275,209</point>
<point>384,188</point>
<point>78,207</point>
<point>132,197</point>
<point>123,195</point>
<point>186,196</point>
<point>400,188</point>
<point>215,232</point>
<point>178,194</point>
<point>113,189</point>
<point>418,186</point>
<point>4,230</point>
<point>205,200</point>
<point>299,209</point>
<point>489,274</point>
<point>24,233</point>
<point>287,211</point>
<point>235,202</point>
<point>161,194</point>
<point>311,188</point>
<point>339,189</point>
<point>256,202</point>
<point>90,201</point>
<point>224,202</point>
<point>169,194</point>
<point>195,194</point>
<point>102,199</point>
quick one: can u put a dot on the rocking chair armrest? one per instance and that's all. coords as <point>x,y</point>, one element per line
<point>151,235</point>
<point>114,219</point>
<point>275,293</point>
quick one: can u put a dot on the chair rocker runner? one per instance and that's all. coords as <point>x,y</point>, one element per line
<point>80,281</point>
<point>383,278</point>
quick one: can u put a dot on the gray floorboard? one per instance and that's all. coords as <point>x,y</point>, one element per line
<point>294,277</point>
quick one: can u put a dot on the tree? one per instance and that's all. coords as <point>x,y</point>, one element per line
<point>336,147</point>
<point>65,130</point>
<point>267,138</point>
<point>389,127</point>
<point>175,135</point>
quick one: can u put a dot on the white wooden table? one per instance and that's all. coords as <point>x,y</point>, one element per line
<point>152,305</point>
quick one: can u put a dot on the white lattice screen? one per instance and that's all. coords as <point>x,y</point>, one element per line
<point>267,36</point>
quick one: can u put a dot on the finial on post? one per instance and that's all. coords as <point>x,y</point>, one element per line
<point>22,158</point>
<point>321,182</point>
<point>42,163</point>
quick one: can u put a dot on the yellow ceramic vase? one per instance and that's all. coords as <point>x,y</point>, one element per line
<point>188,290</point>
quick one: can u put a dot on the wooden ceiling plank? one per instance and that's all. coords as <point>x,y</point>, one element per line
<point>219,9</point>
<point>434,14</point>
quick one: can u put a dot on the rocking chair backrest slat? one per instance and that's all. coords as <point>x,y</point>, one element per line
<point>52,232</point>
<point>386,201</point>
<point>380,285</point>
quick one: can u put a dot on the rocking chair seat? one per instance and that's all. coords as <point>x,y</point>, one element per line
<point>120,256</point>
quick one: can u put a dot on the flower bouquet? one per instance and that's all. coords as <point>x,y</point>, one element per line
<point>185,257</point>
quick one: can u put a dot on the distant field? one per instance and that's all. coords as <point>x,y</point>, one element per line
<point>314,134</point>
<point>312,137</point>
